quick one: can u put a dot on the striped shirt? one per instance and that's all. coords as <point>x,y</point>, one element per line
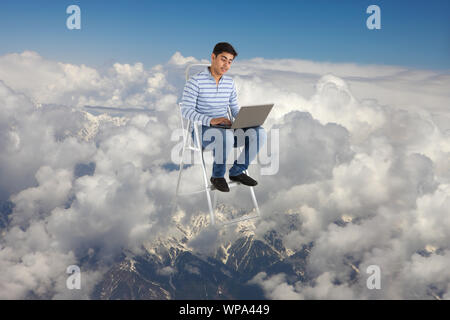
<point>204,99</point>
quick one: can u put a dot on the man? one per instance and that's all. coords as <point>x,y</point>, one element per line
<point>206,98</point>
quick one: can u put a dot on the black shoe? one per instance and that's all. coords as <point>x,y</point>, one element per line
<point>244,179</point>
<point>220,184</point>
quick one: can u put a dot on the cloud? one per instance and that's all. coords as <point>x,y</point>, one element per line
<point>364,173</point>
<point>276,287</point>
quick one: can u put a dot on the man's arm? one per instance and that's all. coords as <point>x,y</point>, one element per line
<point>233,102</point>
<point>189,101</point>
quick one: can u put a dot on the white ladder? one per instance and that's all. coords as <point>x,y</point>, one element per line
<point>188,144</point>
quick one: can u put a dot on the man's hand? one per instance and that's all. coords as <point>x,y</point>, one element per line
<point>221,120</point>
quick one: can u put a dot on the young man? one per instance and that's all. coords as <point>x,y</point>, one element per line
<point>206,98</point>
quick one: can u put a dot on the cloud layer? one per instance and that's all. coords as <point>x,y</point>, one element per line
<point>363,167</point>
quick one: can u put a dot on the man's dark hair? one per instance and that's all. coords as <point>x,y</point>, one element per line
<point>224,47</point>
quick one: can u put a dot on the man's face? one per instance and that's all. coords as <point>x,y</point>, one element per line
<point>222,62</point>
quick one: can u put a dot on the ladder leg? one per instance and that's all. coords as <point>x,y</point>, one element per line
<point>215,196</point>
<point>255,203</point>
<point>185,139</point>
<point>174,207</point>
<point>205,178</point>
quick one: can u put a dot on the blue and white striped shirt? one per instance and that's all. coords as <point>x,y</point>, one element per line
<point>204,99</point>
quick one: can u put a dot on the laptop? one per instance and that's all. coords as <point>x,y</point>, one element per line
<point>249,116</point>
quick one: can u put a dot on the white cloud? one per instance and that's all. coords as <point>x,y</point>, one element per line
<point>364,146</point>
<point>276,287</point>
<point>324,288</point>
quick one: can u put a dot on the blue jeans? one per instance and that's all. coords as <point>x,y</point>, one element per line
<point>253,138</point>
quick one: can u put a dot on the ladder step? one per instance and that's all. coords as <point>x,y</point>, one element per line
<point>231,184</point>
<point>239,219</point>
<point>192,192</point>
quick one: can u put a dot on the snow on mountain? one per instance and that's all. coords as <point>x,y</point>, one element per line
<point>170,269</point>
<point>92,123</point>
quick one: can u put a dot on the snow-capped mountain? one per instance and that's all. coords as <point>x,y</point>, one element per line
<point>91,124</point>
<point>170,269</point>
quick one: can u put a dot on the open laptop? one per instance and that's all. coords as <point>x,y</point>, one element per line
<point>249,116</point>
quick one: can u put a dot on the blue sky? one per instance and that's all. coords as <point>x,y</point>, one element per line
<point>413,33</point>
